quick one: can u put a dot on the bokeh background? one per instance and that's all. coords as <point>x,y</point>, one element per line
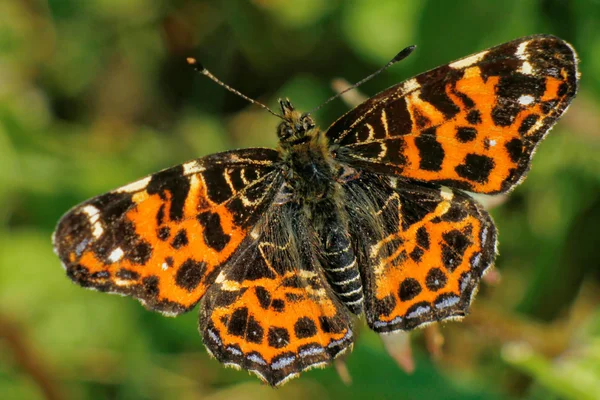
<point>96,93</point>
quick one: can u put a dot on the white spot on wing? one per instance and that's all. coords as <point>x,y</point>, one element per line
<point>214,336</point>
<point>257,359</point>
<point>94,218</point>
<point>116,255</point>
<point>410,85</point>
<point>311,351</point>
<point>283,362</point>
<point>484,234</point>
<point>192,167</point>
<point>371,132</point>
<point>492,143</point>
<point>520,53</point>
<point>384,122</point>
<point>135,186</point>
<point>465,282</point>
<point>526,100</point>
<point>91,212</point>
<point>230,286</point>
<point>233,350</point>
<point>526,68</point>
<point>334,343</point>
<point>447,302</point>
<point>475,261</point>
<point>446,193</point>
<point>220,278</point>
<point>164,266</point>
<point>468,61</point>
<point>418,312</point>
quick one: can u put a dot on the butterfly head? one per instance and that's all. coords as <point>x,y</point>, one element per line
<point>295,125</point>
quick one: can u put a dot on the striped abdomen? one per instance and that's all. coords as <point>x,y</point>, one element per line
<point>339,260</point>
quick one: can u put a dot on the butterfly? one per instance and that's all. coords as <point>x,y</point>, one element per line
<point>281,247</point>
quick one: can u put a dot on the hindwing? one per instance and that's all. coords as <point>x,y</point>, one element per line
<point>422,250</point>
<point>271,310</point>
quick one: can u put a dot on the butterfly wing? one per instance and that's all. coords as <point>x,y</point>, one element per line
<point>271,310</point>
<point>472,124</point>
<point>423,249</point>
<point>164,238</point>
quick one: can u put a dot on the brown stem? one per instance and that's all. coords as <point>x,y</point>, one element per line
<point>25,356</point>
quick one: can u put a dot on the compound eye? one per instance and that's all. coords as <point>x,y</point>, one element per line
<point>285,132</point>
<point>307,122</point>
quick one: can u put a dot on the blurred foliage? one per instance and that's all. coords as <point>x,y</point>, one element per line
<point>96,93</point>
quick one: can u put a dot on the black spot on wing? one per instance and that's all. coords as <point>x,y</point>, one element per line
<point>474,117</point>
<point>128,274</point>
<point>433,89</point>
<point>398,117</point>
<point>466,100</point>
<point>237,323</point>
<point>213,233</point>
<point>527,123</point>
<point>436,279</point>
<point>417,254</point>
<point>180,240</point>
<point>150,287</point>
<point>456,213</point>
<point>217,188</point>
<point>254,332</point>
<point>409,289</point>
<point>173,182</point>
<point>139,253</point>
<point>515,149</point>
<point>163,233</point>
<point>279,305</point>
<point>475,168</point>
<point>160,215</point>
<point>235,177</point>
<point>305,328</point>
<point>563,89</point>
<point>453,250</point>
<point>420,119</point>
<point>263,296</point>
<point>189,274</point>
<point>395,151</point>
<point>278,337</point>
<point>465,134</point>
<point>423,238</point>
<point>431,152</point>
<point>333,324</point>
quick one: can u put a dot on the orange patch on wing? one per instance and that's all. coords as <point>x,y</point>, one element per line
<point>297,304</point>
<point>388,282</point>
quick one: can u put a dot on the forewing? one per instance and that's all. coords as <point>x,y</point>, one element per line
<point>472,124</point>
<point>271,310</point>
<point>164,238</point>
<point>423,250</point>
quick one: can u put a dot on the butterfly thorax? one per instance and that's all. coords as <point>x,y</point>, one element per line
<point>308,164</point>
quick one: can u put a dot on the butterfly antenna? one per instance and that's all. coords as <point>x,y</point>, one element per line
<point>200,68</point>
<point>399,57</point>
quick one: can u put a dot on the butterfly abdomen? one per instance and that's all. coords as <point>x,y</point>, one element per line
<point>337,253</point>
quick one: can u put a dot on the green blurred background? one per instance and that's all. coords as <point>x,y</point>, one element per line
<point>96,93</point>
